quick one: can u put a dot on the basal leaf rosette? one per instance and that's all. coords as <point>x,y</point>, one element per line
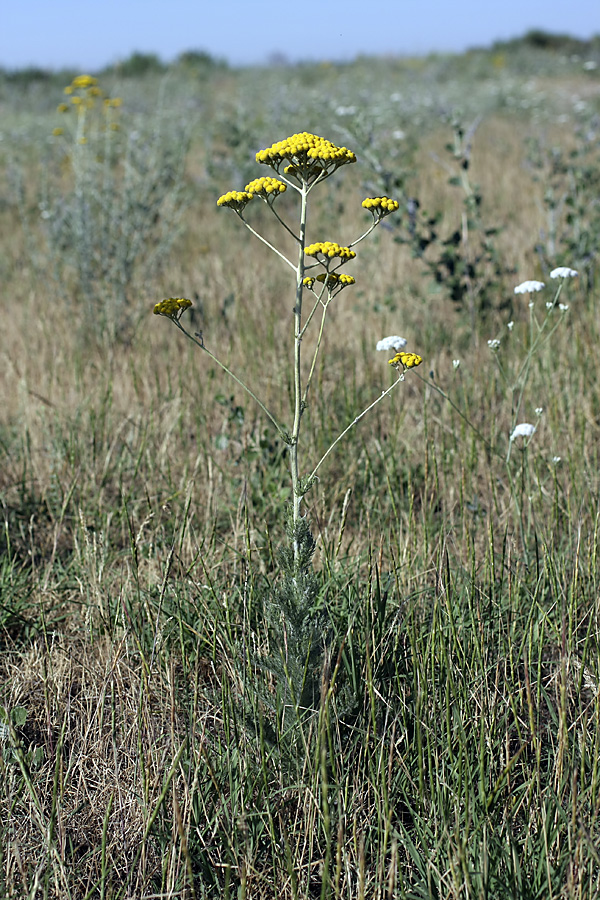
<point>305,157</point>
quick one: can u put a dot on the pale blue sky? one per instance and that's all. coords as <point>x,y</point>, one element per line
<point>89,35</point>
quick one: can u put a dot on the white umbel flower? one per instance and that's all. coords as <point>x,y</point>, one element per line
<point>564,272</point>
<point>525,429</point>
<point>529,287</point>
<point>393,342</point>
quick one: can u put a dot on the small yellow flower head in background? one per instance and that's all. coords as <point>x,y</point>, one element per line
<point>305,156</point>
<point>308,282</point>
<point>76,101</point>
<point>57,132</point>
<point>405,361</point>
<point>379,207</point>
<point>63,108</point>
<point>173,308</point>
<point>266,187</point>
<point>235,200</point>
<point>68,90</point>
<point>323,251</point>
<point>84,81</point>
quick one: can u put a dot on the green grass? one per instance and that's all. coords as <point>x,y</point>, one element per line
<point>422,721</point>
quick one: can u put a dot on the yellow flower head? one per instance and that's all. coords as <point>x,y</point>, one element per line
<point>305,156</point>
<point>405,360</point>
<point>325,250</point>
<point>84,81</point>
<point>380,206</point>
<point>235,200</point>
<point>62,108</point>
<point>333,280</point>
<point>68,89</point>
<point>57,132</point>
<point>172,308</point>
<point>266,187</point>
<point>76,101</point>
<point>308,282</point>
<point>116,101</point>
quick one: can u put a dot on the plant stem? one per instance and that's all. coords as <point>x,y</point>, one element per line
<point>298,400</point>
<point>200,343</point>
<point>351,425</point>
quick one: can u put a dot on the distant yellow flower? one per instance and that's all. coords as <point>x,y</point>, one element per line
<point>57,132</point>
<point>84,81</point>
<point>68,90</point>
<point>76,101</point>
<point>82,140</point>
<point>405,360</point>
<point>62,108</point>
<point>172,308</point>
<point>115,101</point>
<point>95,92</point>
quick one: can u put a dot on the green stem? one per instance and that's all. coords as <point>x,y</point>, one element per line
<point>267,243</point>
<point>351,425</point>
<point>298,402</point>
<point>249,391</point>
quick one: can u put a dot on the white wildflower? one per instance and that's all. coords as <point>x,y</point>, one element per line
<point>556,460</point>
<point>494,344</point>
<point>529,287</point>
<point>523,430</point>
<point>564,272</point>
<point>563,307</point>
<point>393,342</point>
<point>531,305</point>
<point>510,325</point>
<point>549,304</point>
<point>539,411</point>
<point>456,363</point>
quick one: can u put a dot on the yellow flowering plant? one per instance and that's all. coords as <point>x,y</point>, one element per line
<point>300,163</point>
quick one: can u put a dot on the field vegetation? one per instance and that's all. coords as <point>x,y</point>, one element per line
<point>409,705</point>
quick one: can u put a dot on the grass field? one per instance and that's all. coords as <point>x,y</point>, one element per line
<point>402,700</point>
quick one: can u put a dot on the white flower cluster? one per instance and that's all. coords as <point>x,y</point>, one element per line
<point>393,342</point>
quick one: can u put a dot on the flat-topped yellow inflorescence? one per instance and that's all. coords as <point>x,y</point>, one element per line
<point>329,250</point>
<point>265,186</point>
<point>334,278</point>
<point>308,156</point>
<point>405,360</point>
<point>172,307</point>
<point>236,200</point>
<point>380,206</point>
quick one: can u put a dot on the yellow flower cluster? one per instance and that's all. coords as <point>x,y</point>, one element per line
<point>405,360</point>
<point>235,200</point>
<point>380,206</point>
<point>265,186</point>
<point>329,250</point>
<point>308,155</point>
<point>84,81</point>
<point>172,308</point>
<point>334,278</point>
